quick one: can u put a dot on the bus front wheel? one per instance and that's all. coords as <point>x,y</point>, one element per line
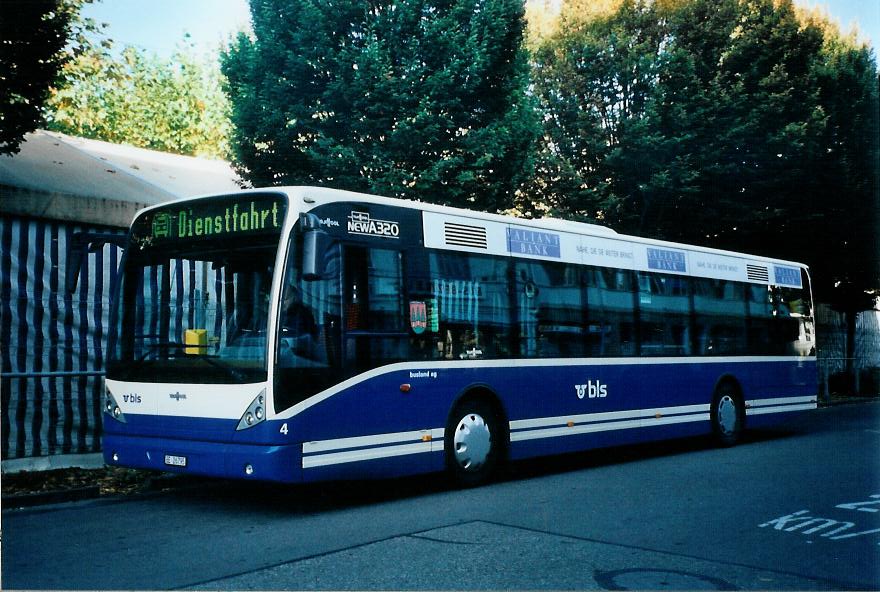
<point>728,414</point>
<point>473,442</point>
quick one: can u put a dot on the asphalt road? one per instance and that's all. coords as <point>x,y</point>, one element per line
<point>793,508</point>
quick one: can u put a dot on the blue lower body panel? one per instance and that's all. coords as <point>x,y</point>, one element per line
<point>213,459</point>
<point>372,427</point>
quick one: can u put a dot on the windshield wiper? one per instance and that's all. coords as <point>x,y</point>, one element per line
<point>167,345</point>
<point>151,349</point>
<point>213,361</point>
<point>162,345</point>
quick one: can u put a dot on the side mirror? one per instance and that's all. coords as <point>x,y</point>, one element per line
<point>315,244</point>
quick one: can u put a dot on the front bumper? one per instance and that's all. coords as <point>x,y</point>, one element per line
<point>212,459</point>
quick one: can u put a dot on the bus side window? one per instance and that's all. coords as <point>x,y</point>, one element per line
<point>550,309</point>
<point>664,314</point>
<point>773,329</point>
<point>421,309</point>
<point>610,312</point>
<point>374,318</point>
<point>308,330</point>
<point>472,305</point>
<point>760,301</point>
<point>793,317</point>
<point>720,312</point>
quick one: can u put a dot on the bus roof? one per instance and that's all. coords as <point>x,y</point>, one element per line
<point>326,195</point>
<point>713,264</point>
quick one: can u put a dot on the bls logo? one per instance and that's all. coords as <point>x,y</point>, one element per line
<point>133,398</point>
<point>592,390</point>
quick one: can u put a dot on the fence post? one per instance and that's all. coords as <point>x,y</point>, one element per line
<point>826,392</point>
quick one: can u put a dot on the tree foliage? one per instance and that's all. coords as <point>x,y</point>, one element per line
<point>733,123</point>
<point>173,105</point>
<point>423,99</point>
<point>845,175</point>
<point>34,38</point>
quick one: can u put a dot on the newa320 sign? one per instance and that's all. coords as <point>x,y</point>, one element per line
<point>362,223</point>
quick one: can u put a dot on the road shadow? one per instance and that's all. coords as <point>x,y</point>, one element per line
<point>305,498</point>
<point>628,453</point>
<point>311,498</point>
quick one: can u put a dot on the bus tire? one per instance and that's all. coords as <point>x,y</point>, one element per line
<point>728,414</point>
<point>474,442</point>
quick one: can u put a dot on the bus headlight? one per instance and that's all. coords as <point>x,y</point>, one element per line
<point>111,407</point>
<point>255,413</point>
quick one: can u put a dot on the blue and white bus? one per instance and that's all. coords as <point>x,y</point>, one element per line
<point>302,334</point>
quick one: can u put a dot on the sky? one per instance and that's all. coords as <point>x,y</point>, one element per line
<point>160,25</point>
<point>863,13</point>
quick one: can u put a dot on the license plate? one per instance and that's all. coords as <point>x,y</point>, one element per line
<point>175,461</point>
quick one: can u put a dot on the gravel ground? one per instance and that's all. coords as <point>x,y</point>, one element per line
<point>107,481</point>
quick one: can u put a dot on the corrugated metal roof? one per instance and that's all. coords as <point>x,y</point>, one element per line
<point>79,179</point>
<point>58,163</point>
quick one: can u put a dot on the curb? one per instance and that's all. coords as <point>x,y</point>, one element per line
<point>846,400</point>
<point>33,464</point>
<point>42,498</point>
<point>151,486</point>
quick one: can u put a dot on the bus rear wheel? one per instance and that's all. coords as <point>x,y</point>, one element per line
<point>474,442</point>
<point>728,414</point>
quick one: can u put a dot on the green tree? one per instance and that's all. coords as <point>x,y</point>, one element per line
<point>596,81</point>
<point>173,105</point>
<point>749,120</point>
<point>424,99</point>
<point>34,37</point>
<point>845,173</point>
<point>739,124</point>
<point>845,177</point>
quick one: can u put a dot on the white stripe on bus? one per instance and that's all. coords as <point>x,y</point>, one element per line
<point>779,401</point>
<point>605,427</point>
<point>336,458</point>
<point>320,453</point>
<point>539,422</point>
<point>367,441</point>
<point>780,409</point>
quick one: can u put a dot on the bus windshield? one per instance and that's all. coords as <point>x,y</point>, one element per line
<point>190,308</point>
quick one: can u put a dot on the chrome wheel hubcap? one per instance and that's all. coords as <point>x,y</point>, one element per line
<point>472,442</point>
<point>727,415</point>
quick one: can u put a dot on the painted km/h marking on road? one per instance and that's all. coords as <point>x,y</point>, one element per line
<point>834,530</point>
<point>860,506</point>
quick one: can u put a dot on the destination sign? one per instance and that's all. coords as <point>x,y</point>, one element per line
<point>217,218</point>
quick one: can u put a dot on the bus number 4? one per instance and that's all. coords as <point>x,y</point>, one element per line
<point>283,429</point>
